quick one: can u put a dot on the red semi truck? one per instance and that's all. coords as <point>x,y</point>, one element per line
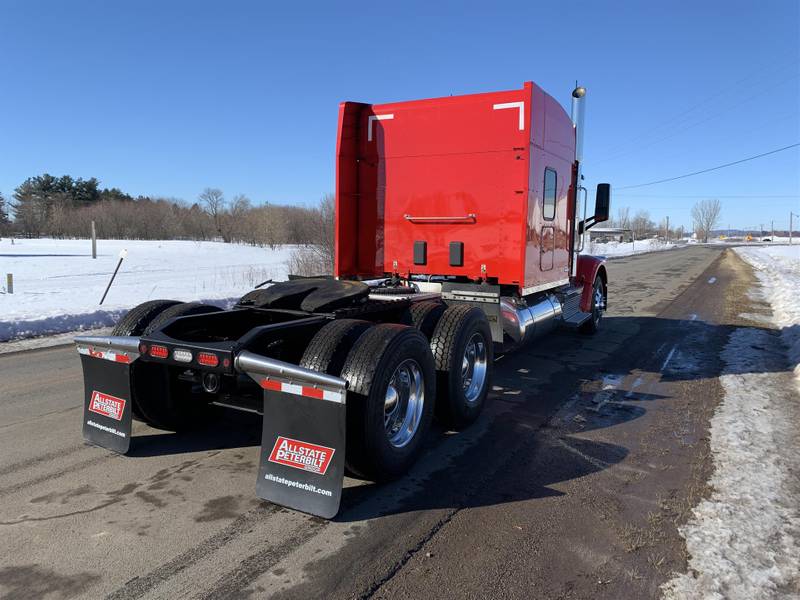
<point>459,228</point>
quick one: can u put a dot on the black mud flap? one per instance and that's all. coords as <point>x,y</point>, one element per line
<point>303,435</point>
<point>302,453</point>
<point>107,410</point>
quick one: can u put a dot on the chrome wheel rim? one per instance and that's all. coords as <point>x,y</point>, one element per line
<point>403,403</point>
<point>473,368</point>
<point>599,302</point>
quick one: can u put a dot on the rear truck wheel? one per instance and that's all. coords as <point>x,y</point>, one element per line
<point>163,400</point>
<point>184,309</point>
<point>139,317</point>
<point>328,349</point>
<point>598,306</point>
<point>464,355</point>
<point>424,316</point>
<point>390,400</point>
<point>134,322</point>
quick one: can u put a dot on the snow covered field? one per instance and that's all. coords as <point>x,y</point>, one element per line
<point>744,540</point>
<point>615,249</point>
<point>58,286</point>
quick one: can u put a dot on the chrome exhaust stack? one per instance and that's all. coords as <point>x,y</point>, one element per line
<point>522,323</point>
<point>578,115</point>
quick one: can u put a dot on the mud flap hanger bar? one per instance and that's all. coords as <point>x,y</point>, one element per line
<point>302,435</point>
<point>108,399</point>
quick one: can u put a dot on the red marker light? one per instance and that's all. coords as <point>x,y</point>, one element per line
<point>208,359</point>
<point>159,351</point>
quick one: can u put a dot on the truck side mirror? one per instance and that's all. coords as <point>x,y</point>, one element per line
<point>602,203</point>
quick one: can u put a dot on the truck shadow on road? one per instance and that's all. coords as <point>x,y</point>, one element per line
<point>518,450</point>
<point>532,445</point>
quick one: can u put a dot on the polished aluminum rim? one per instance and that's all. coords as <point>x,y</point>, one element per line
<point>473,368</point>
<point>403,404</point>
<point>599,302</point>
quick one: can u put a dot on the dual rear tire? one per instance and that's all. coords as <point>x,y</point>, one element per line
<point>159,398</point>
<point>400,376</point>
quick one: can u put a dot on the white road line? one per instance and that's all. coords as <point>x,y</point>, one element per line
<point>604,396</point>
<point>669,357</point>
<point>631,392</point>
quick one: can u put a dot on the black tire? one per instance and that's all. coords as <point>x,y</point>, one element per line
<point>593,324</point>
<point>139,317</point>
<point>134,322</point>
<point>162,400</point>
<point>456,328</point>
<point>184,309</point>
<point>424,316</point>
<point>328,349</point>
<point>369,368</point>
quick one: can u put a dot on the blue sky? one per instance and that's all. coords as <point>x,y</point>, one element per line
<point>167,98</point>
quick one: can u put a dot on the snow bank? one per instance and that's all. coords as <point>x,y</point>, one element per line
<point>58,286</point>
<point>744,541</point>
<point>778,269</point>
<point>615,249</point>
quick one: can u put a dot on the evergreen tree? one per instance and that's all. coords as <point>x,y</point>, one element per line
<point>4,221</point>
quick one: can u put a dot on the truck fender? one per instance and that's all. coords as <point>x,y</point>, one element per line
<point>589,267</point>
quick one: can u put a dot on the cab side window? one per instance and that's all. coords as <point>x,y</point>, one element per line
<point>549,208</point>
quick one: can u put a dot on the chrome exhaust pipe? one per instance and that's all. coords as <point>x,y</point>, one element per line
<point>522,323</point>
<point>578,115</point>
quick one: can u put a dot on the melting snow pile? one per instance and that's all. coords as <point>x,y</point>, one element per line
<point>58,286</point>
<point>614,249</point>
<point>778,269</point>
<point>744,541</point>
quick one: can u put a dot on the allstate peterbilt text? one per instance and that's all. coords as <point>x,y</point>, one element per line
<point>459,233</point>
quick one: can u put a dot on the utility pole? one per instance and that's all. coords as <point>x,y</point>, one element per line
<point>772,223</point>
<point>791,214</point>
<point>667,236</point>
<point>94,241</point>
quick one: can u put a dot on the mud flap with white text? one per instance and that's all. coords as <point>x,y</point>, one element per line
<point>107,410</point>
<point>302,452</point>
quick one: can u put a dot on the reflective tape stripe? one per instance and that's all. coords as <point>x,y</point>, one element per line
<point>301,390</point>
<point>113,356</point>
<point>271,384</point>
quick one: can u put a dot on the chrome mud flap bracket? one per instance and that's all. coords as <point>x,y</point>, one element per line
<point>303,435</point>
<point>107,402</point>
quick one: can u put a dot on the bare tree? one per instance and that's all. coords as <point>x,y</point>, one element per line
<point>641,224</point>
<point>233,220</point>
<point>317,257</point>
<point>705,215</point>
<point>623,217</point>
<point>213,201</point>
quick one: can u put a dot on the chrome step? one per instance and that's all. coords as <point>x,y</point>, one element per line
<point>571,313</point>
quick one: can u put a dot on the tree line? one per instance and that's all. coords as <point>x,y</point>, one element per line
<point>705,217</point>
<point>64,207</point>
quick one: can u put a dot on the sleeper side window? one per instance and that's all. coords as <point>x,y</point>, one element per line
<point>549,208</point>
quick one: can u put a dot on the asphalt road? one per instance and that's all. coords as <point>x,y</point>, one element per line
<point>571,484</point>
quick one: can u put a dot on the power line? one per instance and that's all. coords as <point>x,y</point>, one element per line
<point>730,164</point>
<point>682,121</point>
<point>635,195</point>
